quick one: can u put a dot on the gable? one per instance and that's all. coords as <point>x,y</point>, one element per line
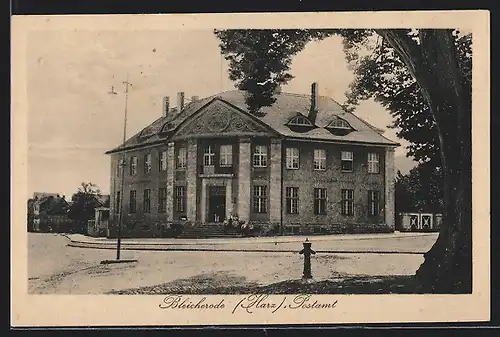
<point>219,118</point>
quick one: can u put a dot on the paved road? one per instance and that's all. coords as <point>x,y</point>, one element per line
<point>54,267</point>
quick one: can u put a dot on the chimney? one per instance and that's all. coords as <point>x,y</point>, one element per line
<point>195,98</point>
<point>180,101</point>
<point>314,102</point>
<point>166,106</point>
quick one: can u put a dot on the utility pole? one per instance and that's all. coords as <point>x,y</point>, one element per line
<point>122,171</point>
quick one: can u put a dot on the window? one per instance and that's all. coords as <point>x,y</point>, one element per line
<point>133,166</point>
<point>300,121</point>
<point>292,200</point>
<point>320,201</point>
<point>373,203</point>
<point>347,159</point>
<point>181,158</point>
<point>162,161</point>
<point>132,201</point>
<point>146,203</point>
<point>117,208</point>
<point>147,163</point>
<point>292,158</point>
<point>162,200</point>
<point>226,155</point>
<point>180,199</point>
<point>208,156</point>
<point>347,202</point>
<point>118,168</point>
<point>319,159</point>
<point>260,156</point>
<point>260,199</point>
<point>339,123</point>
<point>373,163</point>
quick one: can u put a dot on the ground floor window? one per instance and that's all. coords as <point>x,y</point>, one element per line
<point>117,208</point>
<point>347,202</point>
<point>373,203</point>
<point>292,200</point>
<point>320,201</point>
<point>180,199</point>
<point>146,203</point>
<point>260,199</point>
<point>133,201</point>
<point>162,200</point>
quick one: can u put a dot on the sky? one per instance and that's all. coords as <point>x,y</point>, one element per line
<point>73,120</point>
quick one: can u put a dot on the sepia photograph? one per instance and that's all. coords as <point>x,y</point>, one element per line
<point>247,169</point>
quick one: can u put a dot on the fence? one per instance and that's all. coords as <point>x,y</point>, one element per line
<point>419,222</point>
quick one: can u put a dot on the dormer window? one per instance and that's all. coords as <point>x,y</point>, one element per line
<point>299,120</point>
<point>300,123</point>
<point>339,127</point>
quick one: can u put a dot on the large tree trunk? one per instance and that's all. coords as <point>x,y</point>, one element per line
<point>434,65</point>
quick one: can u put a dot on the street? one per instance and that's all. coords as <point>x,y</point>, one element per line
<point>55,268</point>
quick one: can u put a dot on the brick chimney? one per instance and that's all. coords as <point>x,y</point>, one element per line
<point>195,98</point>
<point>314,102</point>
<point>166,106</point>
<point>180,101</point>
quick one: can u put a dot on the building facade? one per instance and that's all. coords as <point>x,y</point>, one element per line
<point>302,163</point>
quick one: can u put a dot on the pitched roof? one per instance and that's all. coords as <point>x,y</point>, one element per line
<point>276,116</point>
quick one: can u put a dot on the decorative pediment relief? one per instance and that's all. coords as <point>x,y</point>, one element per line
<point>219,118</point>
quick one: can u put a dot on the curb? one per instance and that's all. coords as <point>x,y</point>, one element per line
<point>77,244</point>
<point>203,242</point>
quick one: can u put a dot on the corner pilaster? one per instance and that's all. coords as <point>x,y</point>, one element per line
<point>390,175</point>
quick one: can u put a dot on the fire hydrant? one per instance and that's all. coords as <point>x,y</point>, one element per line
<point>307,251</point>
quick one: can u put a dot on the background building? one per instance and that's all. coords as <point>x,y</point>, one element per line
<point>304,165</point>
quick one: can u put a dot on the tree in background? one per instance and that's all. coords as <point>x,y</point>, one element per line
<point>429,92</point>
<point>420,190</point>
<point>84,202</point>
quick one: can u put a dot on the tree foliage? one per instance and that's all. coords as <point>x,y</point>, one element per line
<point>84,203</point>
<point>259,60</point>
<point>420,190</point>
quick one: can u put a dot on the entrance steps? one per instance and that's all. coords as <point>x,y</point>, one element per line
<point>207,230</point>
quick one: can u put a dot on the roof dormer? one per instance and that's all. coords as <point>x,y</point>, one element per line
<point>339,126</point>
<point>300,123</point>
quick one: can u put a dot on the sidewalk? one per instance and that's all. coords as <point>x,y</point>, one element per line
<point>393,243</point>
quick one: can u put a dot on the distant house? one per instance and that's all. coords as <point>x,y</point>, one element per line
<point>48,212</point>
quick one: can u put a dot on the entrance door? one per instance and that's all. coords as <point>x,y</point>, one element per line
<point>217,204</point>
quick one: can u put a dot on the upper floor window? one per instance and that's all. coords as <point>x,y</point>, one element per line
<point>347,158</point>
<point>208,156</point>
<point>181,158</point>
<point>147,163</point>
<point>373,163</point>
<point>320,159</point>
<point>162,161</point>
<point>292,200</point>
<point>347,202</point>
<point>260,156</point>
<point>260,199</point>
<point>133,166</point>
<point>226,155</point>
<point>373,203</point>
<point>292,158</point>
